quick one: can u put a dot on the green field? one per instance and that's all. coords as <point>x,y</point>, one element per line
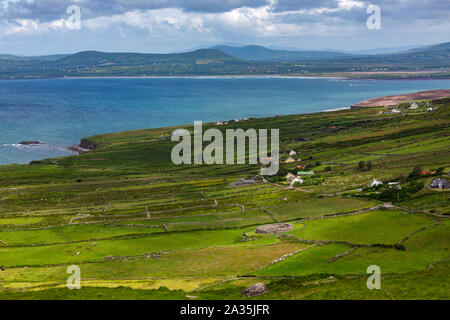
<point>141,227</point>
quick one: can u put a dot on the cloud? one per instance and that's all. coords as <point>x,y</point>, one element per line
<point>172,23</point>
<point>256,17</point>
<point>45,10</point>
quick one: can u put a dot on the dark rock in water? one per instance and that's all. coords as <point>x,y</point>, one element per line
<point>89,145</point>
<point>255,290</point>
<point>30,143</point>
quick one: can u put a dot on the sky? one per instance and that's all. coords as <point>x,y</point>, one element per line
<point>38,27</point>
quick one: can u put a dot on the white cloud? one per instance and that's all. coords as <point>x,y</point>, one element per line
<point>171,28</point>
<point>260,21</point>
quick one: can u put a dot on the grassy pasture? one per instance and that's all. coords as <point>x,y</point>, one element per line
<point>319,207</point>
<point>374,227</point>
<point>71,233</point>
<point>201,263</point>
<point>194,243</point>
<point>100,250</point>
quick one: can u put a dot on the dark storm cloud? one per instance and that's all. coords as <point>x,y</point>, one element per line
<point>292,5</point>
<point>423,9</point>
<point>398,12</point>
<point>46,10</point>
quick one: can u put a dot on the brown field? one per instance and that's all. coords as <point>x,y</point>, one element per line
<point>394,100</point>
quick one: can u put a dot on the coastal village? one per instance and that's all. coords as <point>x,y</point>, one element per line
<point>308,172</point>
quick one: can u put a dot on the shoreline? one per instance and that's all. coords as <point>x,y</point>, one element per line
<point>369,76</point>
<point>193,77</point>
<point>80,149</point>
<point>387,101</point>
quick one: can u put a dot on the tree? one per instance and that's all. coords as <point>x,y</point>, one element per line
<point>361,165</point>
<point>416,172</point>
<point>369,165</point>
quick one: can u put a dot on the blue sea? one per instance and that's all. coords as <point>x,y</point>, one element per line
<point>59,112</point>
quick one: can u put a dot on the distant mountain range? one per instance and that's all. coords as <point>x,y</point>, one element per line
<point>259,53</point>
<point>221,60</point>
<point>390,50</point>
<point>54,57</point>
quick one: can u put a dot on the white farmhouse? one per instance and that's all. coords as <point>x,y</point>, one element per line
<point>375,183</point>
<point>290,177</point>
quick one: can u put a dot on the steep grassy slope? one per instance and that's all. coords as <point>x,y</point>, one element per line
<point>137,224</point>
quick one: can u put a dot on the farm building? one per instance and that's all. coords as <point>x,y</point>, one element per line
<point>289,160</point>
<point>395,185</point>
<point>375,183</point>
<point>305,173</point>
<point>290,177</point>
<point>440,183</point>
<point>413,106</point>
<point>242,182</point>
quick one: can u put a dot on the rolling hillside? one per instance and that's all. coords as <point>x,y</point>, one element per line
<point>259,53</point>
<point>249,60</point>
<point>140,227</point>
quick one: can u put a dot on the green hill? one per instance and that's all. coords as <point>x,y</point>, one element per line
<point>249,60</point>
<point>141,227</point>
<point>95,58</point>
<point>53,57</point>
<point>259,53</point>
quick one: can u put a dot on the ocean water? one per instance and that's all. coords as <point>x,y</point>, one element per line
<point>61,111</point>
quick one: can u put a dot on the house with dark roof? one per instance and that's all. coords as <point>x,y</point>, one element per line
<point>242,182</point>
<point>440,183</point>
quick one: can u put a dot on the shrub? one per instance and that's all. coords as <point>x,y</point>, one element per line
<point>440,170</point>
<point>416,172</point>
<point>361,165</point>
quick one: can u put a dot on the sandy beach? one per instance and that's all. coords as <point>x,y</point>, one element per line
<point>394,100</point>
